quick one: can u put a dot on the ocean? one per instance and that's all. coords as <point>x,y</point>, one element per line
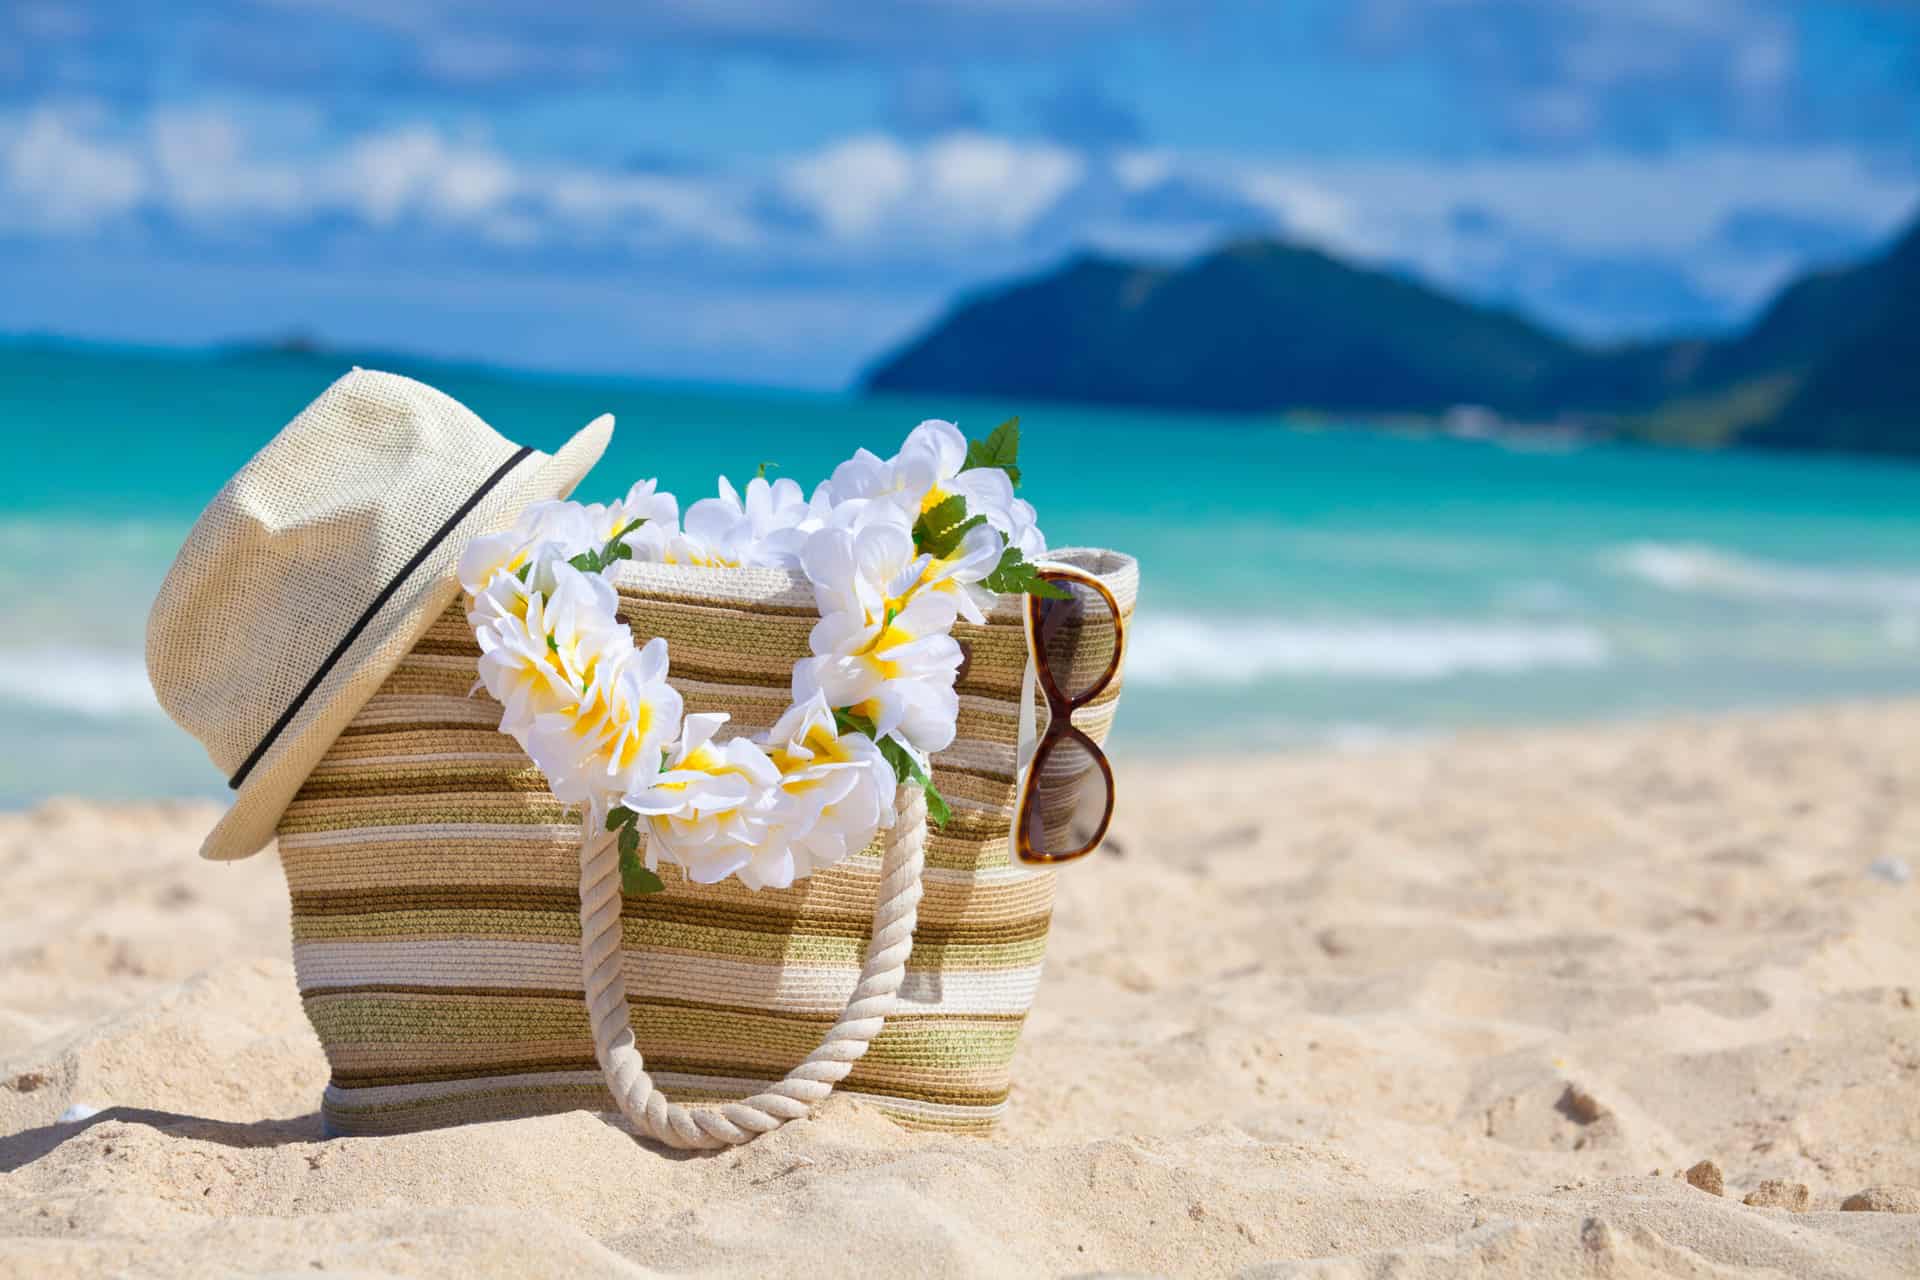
<point>1301,585</point>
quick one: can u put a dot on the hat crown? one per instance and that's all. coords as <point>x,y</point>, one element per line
<point>297,547</point>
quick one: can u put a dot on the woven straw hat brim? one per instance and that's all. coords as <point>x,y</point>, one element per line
<point>276,778</point>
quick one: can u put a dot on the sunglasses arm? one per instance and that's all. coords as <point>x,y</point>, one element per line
<point>1029,738</point>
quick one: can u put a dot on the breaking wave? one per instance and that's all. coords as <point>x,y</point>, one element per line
<point>97,683</point>
<point>1222,649</point>
<point>1703,570</point>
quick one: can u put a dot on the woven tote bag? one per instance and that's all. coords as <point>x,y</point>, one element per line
<point>438,892</point>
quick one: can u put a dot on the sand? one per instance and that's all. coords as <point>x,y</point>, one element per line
<point>1461,1007</point>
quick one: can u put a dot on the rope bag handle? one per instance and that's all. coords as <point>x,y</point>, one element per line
<point>895,912</point>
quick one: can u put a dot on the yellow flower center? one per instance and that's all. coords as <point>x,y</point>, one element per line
<point>889,636</point>
<point>822,741</point>
<point>703,561</point>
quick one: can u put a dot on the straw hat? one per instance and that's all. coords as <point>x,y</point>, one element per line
<point>319,565</point>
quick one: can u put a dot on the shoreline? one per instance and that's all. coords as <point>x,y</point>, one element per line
<point>1340,743</point>
<point>1420,1008</point>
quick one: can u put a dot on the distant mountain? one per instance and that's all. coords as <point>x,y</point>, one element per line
<point>1833,362</point>
<point>1254,326</point>
<point>1862,389</point>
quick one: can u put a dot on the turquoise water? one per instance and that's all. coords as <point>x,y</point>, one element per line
<point>1299,586</point>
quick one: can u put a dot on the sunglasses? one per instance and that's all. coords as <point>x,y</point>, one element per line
<point>1066,789</point>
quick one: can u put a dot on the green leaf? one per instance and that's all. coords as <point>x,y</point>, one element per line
<point>847,720</point>
<point>620,816</point>
<point>1039,586</point>
<point>1014,576</point>
<point>586,562</point>
<point>949,541</point>
<point>635,878</point>
<point>940,527</point>
<point>939,517</point>
<point>1000,449</point>
<point>615,550</point>
<point>629,841</point>
<point>905,767</point>
<point>937,811</point>
<point>907,771</point>
<point>1006,575</point>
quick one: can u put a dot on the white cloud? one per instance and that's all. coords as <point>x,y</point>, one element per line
<point>648,207</point>
<point>1308,209</point>
<point>197,157</point>
<point>1620,201</point>
<point>1665,208</point>
<point>1138,170</point>
<point>852,185</point>
<point>979,182</point>
<point>386,176</point>
<point>59,178</point>
<point>63,172</point>
<point>960,185</point>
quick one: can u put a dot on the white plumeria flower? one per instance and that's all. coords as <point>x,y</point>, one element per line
<point>930,468</point>
<point>767,527</point>
<point>568,524</point>
<point>715,536</point>
<point>597,522</point>
<point>870,564</point>
<point>935,445</point>
<point>889,659</point>
<point>611,739</point>
<point>849,568</point>
<point>1023,530</point>
<point>836,790</point>
<point>532,545</point>
<point>531,570</point>
<point>490,556</point>
<point>941,449</point>
<point>559,529</point>
<point>900,674</point>
<point>644,501</point>
<point>909,481</point>
<point>710,808</point>
<point>539,659</point>
<point>958,574</point>
<point>864,476</point>
<point>989,493</point>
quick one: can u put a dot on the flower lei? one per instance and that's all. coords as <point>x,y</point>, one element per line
<point>896,549</point>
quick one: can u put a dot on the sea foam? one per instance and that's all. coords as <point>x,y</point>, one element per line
<point>102,684</point>
<point>1696,568</point>
<point>1223,649</point>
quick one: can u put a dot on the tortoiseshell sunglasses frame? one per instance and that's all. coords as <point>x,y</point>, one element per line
<point>1060,727</point>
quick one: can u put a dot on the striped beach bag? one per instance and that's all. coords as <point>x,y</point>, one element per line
<point>464,953</point>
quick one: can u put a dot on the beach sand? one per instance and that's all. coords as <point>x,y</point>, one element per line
<point>1460,1007</point>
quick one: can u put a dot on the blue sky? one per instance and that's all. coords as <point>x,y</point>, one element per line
<point>774,192</point>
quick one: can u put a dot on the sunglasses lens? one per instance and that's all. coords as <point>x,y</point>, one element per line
<point>1076,637</point>
<point>1069,801</point>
